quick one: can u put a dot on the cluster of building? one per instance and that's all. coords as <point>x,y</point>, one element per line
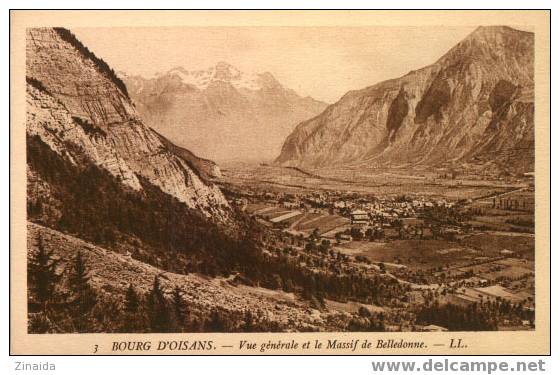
<point>368,217</point>
<point>350,205</point>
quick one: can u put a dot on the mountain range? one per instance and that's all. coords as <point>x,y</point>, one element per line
<point>128,230</point>
<point>221,113</point>
<point>473,108</point>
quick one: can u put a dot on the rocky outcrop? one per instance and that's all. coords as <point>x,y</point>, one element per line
<point>78,106</point>
<point>221,113</point>
<point>472,108</point>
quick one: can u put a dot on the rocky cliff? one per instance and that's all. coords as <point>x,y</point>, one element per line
<point>221,113</point>
<point>474,107</point>
<point>78,106</point>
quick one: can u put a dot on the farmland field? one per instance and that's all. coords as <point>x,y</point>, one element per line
<point>505,222</point>
<point>323,223</point>
<point>413,253</point>
<point>434,253</point>
<point>490,244</point>
<point>382,183</point>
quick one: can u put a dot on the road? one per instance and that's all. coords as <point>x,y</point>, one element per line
<point>501,194</point>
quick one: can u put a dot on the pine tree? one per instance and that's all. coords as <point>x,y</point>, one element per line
<point>133,318</point>
<point>216,323</point>
<point>41,275</point>
<point>158,312</point>
<point>248,322</point>
<point>131,302</point>
<point>83,296</point>
<point>179,308</point>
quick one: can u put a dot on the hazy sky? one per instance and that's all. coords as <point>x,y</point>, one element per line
<point>324,62</point>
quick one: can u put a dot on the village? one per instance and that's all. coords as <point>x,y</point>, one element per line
<point>343,216</point>
<point>432,246</point>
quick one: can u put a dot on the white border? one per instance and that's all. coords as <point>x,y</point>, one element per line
<point>247,365</point>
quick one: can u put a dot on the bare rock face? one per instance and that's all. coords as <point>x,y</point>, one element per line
<point>77,105</point>
<point>221,113</point>
<point>474,106</point>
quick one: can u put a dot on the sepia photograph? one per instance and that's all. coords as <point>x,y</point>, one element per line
<point>277,179</point>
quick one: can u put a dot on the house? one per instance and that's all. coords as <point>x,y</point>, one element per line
<point>392,328</point>
<point>433,328</point>
<point>359,217</point>
<point>339,204</point>
<point>290,205</point>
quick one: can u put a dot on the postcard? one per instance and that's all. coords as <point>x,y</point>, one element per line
<point>280,182</point>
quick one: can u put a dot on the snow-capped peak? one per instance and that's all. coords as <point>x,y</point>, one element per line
<point>222,71</point>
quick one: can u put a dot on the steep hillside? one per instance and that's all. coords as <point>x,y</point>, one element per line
<point>81,110</point>
<point>112,273</point>
<point>473,108</point>
<point>221,113</point>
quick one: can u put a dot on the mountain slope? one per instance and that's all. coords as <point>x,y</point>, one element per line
<point>206,169</point>
<point>221,113</point>
<point>473,107</point>
<point>81,110</point>
<point>111,274</point>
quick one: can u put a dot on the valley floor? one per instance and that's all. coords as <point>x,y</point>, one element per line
<point>461,240</point>
<point>412,251</point>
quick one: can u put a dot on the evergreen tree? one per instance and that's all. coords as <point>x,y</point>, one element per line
<point>131,302</point>
<point>216,323</point>
<point>83,297</point>
<point>179,308</point>
<point>133,317</point>
<point>83,294</point>
<point>41,275</point>
<point>248,322</point>
<point>158,312</point>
